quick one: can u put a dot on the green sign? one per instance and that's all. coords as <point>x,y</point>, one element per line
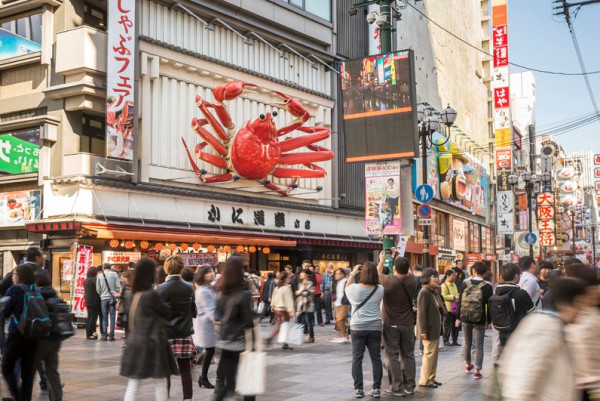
<point>19,152</point>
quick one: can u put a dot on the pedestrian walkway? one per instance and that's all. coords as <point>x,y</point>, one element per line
<point>319,371</point>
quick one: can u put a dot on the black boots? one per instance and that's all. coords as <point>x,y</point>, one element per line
<point>203,382</point>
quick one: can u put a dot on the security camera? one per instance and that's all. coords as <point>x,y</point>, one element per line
<point>371,17</point>
<point>381,20</point>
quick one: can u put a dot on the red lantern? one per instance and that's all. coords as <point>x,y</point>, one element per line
<point>196,246</point>
<point>226,249</point>
<point>266,250</point>
<point>114,243</point>
<point>240,248</point>
<point>129,244</point>
<point>211,249</point>
<point>183,246</point>
<point>172,247</point>
<point>159,246</point>
<point>252,249</point>
<point>144,244</point>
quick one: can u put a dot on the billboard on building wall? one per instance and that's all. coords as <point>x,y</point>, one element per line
<point>120,78</point>
<point>13,45</point>
<point>382,195</point>
<point>19,152</point>
<point>20,207</point>
<point>379,106</point>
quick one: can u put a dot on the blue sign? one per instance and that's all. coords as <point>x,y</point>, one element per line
<point>424,211</point>
<point>530,238</point>
<point>424,193</point>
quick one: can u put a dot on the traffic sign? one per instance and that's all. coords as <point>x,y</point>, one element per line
<point>530,238</point>
<point>424,211</point>
<point>424,222</point>
<point>424,193</point>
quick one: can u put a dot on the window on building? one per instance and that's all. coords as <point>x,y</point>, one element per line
<point>319,8</point>
<point>94,14</point>
<point>19,36</point>
<point>93,135</point>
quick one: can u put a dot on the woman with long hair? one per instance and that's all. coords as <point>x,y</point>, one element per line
<point>148,354</point>
<point>204,327</point>
<point>305,304</point>
<point>179,295</point>
<point>282,304</point>
<point>234,313</point>
<point>366,325</point>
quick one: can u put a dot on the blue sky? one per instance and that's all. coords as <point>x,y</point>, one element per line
<point>537,39</point>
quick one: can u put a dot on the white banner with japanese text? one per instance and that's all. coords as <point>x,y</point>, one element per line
<point>84,259</point>
<point>120,78</point>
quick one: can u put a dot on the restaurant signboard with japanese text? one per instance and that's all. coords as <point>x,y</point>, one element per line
<point>84,259</point>
<point>120,79</point>
<point>115,258</point>
<point>459,234</point>
<point>382,194</point>
<point>199,259</point>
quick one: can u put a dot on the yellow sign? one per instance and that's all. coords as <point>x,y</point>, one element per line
<point>503,138</point>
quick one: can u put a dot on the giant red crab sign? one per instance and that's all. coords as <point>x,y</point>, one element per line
<point>255,151</point>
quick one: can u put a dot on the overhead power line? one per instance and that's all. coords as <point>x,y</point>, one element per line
<point>585,73</point>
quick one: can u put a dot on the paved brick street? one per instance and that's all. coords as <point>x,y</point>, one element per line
<point>319,371</point>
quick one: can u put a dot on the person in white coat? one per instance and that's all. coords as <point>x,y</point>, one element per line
<point>204,328</point>
<point>543,369</point>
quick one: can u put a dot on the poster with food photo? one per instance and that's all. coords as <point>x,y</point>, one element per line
<point>18,208</point>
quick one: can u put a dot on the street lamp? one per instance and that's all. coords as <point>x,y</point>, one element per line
<point>428,125</point>
<point>530,183</point>
<point>572,211</point>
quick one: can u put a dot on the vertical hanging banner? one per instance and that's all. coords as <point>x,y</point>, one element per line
<point>84,259</point>
<point>382,194</point>
<point>120,78</point>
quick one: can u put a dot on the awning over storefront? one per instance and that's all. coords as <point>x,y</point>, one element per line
<point>414,247</point>
<point>338,242</point>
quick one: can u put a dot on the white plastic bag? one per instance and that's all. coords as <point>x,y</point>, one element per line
<point>261,308</point>
<point>291,333</point>
<point>252,369</point>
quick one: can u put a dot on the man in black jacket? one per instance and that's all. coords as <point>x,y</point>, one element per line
<point>475,289</point>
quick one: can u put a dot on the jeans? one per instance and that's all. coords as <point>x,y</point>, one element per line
<point>307,318</point>
<point>400,352</point>
<point>371,339</point>
<point>107,308</point>
<point>93,311</point>
<point>318,309</point>
<point>47,353</point>
<point>478,331</point>
<point>328,310</point>
<point>450,328</point>
<point>226,372</point>
<point>18,347</point>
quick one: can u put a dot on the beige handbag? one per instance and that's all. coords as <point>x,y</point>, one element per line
<point>252,369</point>
<point>134,304</point>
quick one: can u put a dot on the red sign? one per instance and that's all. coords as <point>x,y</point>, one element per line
<point>500,36</point>
<point>501,97</point>
<point>500,56</point>
<point>84,260</point>
<point>597,172</point>
<point>597,185</point>
<point>503,159</point>
<point>471,259</point>
<point>597,160</point>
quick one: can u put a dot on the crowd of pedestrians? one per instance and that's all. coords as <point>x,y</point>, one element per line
<point>175,317</point>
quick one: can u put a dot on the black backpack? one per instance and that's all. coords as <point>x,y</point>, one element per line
<point>34,323</point>
<point>504,316</point>
<point>62,328</point>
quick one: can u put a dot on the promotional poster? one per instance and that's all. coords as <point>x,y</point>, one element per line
<point>382,195</point>
<point>18,208</point>
<point>12,45</point>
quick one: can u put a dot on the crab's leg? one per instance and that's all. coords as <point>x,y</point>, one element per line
<point>320,133</point>
<point>296,109</point>
<point>284,192</point>
<point>217,178</point>
<point>313,172</point>
<point>197,126</point>
<point>203,105</point>
<point>229,91</point>
<point>217,161</point>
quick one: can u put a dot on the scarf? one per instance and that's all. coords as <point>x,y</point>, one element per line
<point>438,299</point>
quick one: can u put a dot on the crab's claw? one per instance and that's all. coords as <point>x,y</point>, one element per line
<point>230,90</point>
<point>293,106</point>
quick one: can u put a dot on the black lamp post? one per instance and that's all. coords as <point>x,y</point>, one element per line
<point>573,210</point>
<point>428,125</point>
<point>530,181</point>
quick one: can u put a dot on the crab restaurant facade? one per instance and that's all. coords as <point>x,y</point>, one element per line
<point>128,119</point>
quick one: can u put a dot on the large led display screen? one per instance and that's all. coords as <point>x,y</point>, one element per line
<point>379,107</point>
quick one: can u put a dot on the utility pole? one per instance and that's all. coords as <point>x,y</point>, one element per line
<point>385,39</point>
<point>561,7</point>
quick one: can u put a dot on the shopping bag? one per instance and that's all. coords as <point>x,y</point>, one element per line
<point>261,308</point>
<point>252,369</point>
<point>291,333</point>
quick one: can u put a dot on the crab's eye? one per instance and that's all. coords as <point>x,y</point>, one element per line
<point>262,117</point>
<point>274,114</point>
<point>286,101</point>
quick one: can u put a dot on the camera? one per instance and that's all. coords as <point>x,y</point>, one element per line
<point>381,20</point>
<point>371,17</point>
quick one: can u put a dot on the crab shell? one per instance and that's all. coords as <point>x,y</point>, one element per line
<point>255,150</point>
